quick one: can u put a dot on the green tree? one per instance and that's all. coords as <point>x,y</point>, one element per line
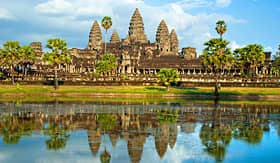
<point>106,23</point>
<point>276,64</point>
<point>28,56</point>
<point>221,28</point>
<point>11,56</point>
<point>249,57</point>
<point>216,56</point>
<point>58,55</point>
<point>168,76</point>
<point>107,64</point>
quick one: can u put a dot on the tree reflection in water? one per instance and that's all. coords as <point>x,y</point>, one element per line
<point>134,124</point>
<point>12,129</point>
<point>58,136</point>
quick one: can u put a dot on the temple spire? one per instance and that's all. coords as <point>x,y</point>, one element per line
<point>174,43</point>
<point>95,37</point>
<point>136,28</point>
<point>115,38</point>
<point>162,37</point>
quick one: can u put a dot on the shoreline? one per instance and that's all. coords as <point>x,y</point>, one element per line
<point>226,93</point>
<point>138,95</point>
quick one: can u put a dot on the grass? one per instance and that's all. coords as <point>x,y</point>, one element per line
<point>152,90</point>
<point>20,100</point>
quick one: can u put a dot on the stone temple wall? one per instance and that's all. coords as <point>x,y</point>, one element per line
<point>136,56</point>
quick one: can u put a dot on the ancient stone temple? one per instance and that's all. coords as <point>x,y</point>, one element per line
<point>136,28</point>
<point>137,57</point>
<point>95,37</point>
<point>115,38</point>
<point>163,38</point>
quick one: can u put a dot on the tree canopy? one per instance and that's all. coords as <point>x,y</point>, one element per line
<point>11,55</point>
<point>221,27</point>
<point>106,22</point>
<point>107,64</point>
<point>168,76</point>
<point>59,52</point>
<point>217,55</point>
<point>250,56</point>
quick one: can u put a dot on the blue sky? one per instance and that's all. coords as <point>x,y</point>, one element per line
<point>249,21</point>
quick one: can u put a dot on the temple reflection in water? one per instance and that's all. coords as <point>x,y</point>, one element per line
<point>218,125</point>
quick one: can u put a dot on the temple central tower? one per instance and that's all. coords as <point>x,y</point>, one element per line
<point>136,31</point>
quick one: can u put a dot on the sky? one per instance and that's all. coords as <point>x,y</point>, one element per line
<point>248,21</point>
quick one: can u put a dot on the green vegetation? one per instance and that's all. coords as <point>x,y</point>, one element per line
<point>276,58</point>
<point>106,23</point>
<point>58,55</point>
<point>249,57</point>
<point>12,55</point>
<point>221,28</point>
<point>167,116</point>
<point>168,76</point>
<point>58,136</point>
<point>155,90</point>
<point>217,55</point>
<point>28,57</point>
<point>107,64</point>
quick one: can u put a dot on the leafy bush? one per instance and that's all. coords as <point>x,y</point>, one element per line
<point>124,77</point>
<point>18,86</point>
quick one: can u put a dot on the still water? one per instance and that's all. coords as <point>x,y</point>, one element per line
<point>139,132</point>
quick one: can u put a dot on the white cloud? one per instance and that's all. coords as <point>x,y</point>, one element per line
<point>55,7</point>
<point>5,14</point>
<point>268,49</point>
<point>234,45</point>
<point>223,3</point>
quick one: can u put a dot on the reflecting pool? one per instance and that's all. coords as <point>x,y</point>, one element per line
<point>139,132</point>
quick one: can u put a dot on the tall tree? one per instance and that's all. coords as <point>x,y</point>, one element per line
<point>11,56</point>
<point>249,57</point>
<point>59,54</point>
<point>28,56</point>
<point>216,56</point>
<point>106,23</point>
<point>276,64</point>
<point>168,76</point>
<point>221,28</point>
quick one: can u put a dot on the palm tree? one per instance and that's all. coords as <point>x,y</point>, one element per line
<point>59,55</point>
<point>10,56</point>
<point>216,56</point>
<point>250,56</point>
<point>28,56</point>
<point>106,23</point>
<point>277,62</point>
<point>168,76</point>
<point>221,28</point>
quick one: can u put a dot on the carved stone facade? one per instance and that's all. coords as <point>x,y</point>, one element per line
<point>136,55</point>
<point>95,37</point>
<point>115,38</point>
<point>136,31</point>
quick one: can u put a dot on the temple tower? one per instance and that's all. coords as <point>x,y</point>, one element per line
<point>174,43</point>
<point>163,38</point>
<point>136,28</point>
<point>95,37</point>
<point>115,38</point>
